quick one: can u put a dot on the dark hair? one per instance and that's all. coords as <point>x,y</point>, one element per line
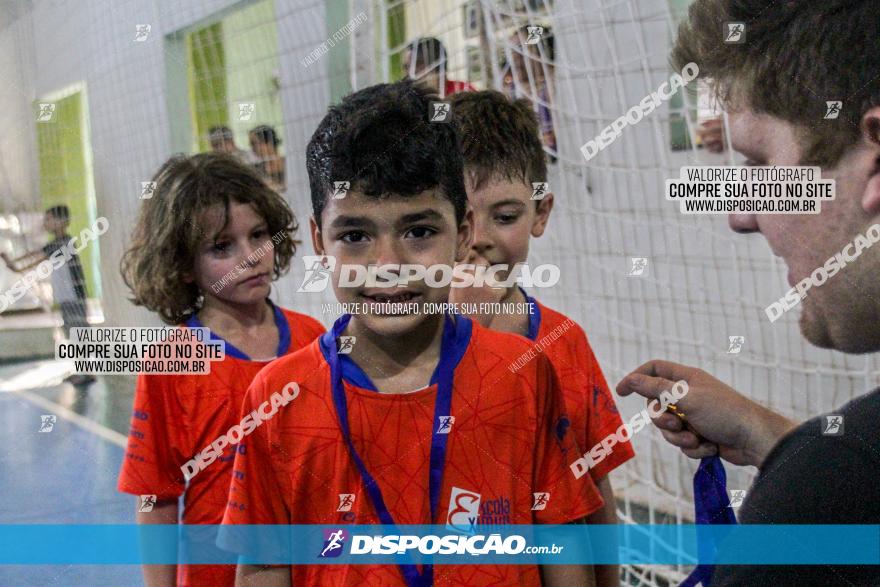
<point>380,140</point>
<point>220,133</point>
<point>266,134</point>
<point>427,51</point>
<point>164,241</point>
<point>795,57</point>
<point>549,41</point>
<point>59,212</point>
<point>499,138</point>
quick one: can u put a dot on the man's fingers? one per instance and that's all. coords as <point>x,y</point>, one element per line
<point>669,422</point>
<point>683,440</point>
<point>644,385</point>
<point>704,450</point>
<point>665,369</point>
<point>690,445</point>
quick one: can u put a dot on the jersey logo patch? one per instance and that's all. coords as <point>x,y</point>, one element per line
<point>464,511</point>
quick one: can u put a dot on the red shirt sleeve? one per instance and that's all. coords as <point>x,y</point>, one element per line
<point>569,498</point>
<point>255,496</point>
<point>156,441</point>
<point>603,417</point>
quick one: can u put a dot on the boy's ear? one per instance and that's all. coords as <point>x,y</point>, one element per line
<point>545,206</point>
<point>465,235</point>
<point>317,238</point>
<point>871,135</point>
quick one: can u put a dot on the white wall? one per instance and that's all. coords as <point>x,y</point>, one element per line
<point>18,162</point>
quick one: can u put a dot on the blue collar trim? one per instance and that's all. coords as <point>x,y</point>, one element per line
<point>231,351</point>
<point>354,375</point>
<point>534,316</point>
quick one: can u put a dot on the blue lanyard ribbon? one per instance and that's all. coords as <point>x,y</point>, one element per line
<point>712,506</point>
<point>442,409</point>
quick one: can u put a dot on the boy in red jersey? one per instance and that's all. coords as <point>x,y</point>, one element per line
<point>503,158</point>
<point>425,60</point>
<point>205,250</point>
<point>422,422</point>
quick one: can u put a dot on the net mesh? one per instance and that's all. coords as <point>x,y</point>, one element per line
<point>701,283</point>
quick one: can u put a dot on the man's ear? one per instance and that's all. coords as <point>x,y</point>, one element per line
<point>317,237</point>
<point>871,135</point>
<point>543,215</point>
<point>465,235</point>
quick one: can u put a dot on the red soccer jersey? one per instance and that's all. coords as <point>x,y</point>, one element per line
<point>588,400</point>
<point>455,86</point>
<point>177,416</point>
<point>506,443</point>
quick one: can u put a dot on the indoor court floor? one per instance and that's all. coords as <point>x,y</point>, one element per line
<point>65,474</point>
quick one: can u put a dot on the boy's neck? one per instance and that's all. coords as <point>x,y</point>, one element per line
<point>517,322</point>
<point>398,364</point>
<point>220,315</point>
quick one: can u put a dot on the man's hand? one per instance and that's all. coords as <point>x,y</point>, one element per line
<point>719,419</point>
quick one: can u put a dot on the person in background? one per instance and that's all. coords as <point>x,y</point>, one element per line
<point>711,134</point>
<point>264,147</point>
<point>425,60</point>
<point>223,141</point>
<point>68,281</point>
<point>530,75</point>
